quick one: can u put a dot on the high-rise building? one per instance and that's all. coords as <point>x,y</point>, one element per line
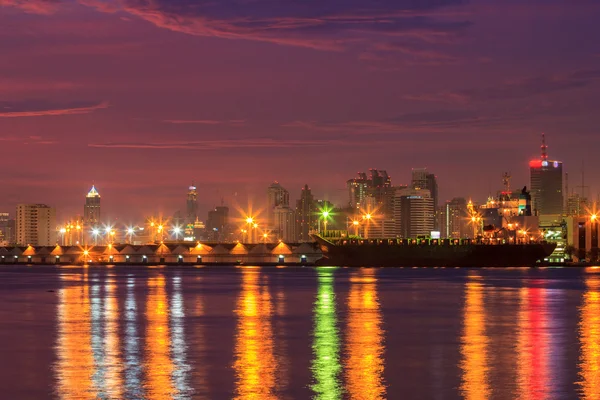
<point>576,205</point>
<point>192,205</point>
<point>456,219</point>
<point>276,196</point>
<point>372,192</point>
<point>217,223</point>
<point>285,223</point>
<point>91,210</point>
<point>357,190</point>
<point>7,228</point>
<point>36,225</point>
<point>546,184</point>
<point>414,213</point>
<point>422,179</point>
<point>305,214</point>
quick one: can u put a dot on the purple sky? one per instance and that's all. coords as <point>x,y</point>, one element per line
<point>142,97</point>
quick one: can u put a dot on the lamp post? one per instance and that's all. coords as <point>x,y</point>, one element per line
<point>367,217</point>
<point>356,225</point>
<point>594,234</point>
<point>95,234</point>
<point>250,222</point>
<point>325,215</point>
<point>130,232</point>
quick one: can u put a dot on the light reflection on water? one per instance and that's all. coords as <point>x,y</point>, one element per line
<point>148,336</point>
<point>75,364</point>
<point>159,364</point>
<point>255,364</point>
<point>364,346</point>
<point>533,344</point>
<point>589,336</point>
<point>474,343</point>
<point>326,343</point>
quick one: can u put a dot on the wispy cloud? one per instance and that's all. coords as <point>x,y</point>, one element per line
<point>232,122</point>
<point>33,6</point>
<point>35,140</point>
<point>225,144</point>
<point>517,88</point>
<point>36,108</point>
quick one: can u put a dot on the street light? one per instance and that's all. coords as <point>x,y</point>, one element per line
<point>367,217</point>
<point>251,223</point>
<point>176,231</point>
<point>95,234</point>
<point>130,233</point>
<point>356,225</point>
<point>325,213</point>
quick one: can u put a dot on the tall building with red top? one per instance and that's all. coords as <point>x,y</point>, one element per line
<point>546,184</point>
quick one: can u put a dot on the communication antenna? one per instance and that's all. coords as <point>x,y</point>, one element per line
<point>544,148</point>
<point>506,182</point>
<point>583,186</point>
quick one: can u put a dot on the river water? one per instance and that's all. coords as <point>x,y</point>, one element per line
<point>299,333</point>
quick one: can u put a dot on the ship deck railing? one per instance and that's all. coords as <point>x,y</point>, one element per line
<point>438,242</point>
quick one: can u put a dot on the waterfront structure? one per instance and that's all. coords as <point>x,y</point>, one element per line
<point>35,225</point>
<point>583,236</point>
<point>91,210</point>
<point>276,196</point>
<point>546,184</point>
<point>192,205</point>
<point>206,253</point>
<point>306,214</point>
<point>284,223</point>
<point>414,212</point>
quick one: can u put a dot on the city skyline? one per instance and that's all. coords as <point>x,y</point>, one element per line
<point>145,99</point>
<point>243,202</point>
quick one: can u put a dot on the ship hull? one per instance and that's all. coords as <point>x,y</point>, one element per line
<point>463,255</point>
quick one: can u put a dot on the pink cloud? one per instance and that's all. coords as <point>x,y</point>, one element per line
<point>21,113</point>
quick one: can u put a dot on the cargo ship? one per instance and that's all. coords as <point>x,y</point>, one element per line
<point>347,252</point>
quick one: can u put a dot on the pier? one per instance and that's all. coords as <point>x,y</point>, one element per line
<point>166,254</point>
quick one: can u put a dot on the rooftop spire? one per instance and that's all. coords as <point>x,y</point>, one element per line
<point>93,192</point>
<point>544,148</point>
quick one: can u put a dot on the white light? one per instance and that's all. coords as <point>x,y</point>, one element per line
<point>95,232</point>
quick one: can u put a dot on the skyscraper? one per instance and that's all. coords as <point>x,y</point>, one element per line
<point>192,205</point>
<point>413,212</point>
<point>456,221</point>
<point>305,214</point>
<point>36,225</point>
<point>217,223</point>
<point>276,196</point>
<point>546,184</point>
<point>7,228</point>
<point>284,223</point>
<point>375,191</point>
<point>422,179</point>
<point>357,190</point>
<point>91,210</point>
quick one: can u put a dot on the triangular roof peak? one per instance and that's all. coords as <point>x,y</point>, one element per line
<point>93,192</point>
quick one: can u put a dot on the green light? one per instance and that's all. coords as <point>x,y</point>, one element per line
<point>326,363</point>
